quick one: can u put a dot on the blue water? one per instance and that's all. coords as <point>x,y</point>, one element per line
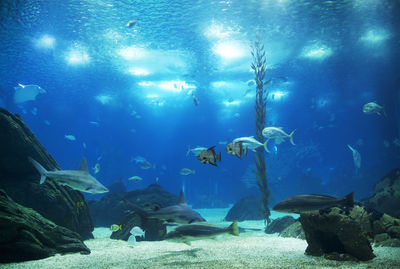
<point>327,59</point>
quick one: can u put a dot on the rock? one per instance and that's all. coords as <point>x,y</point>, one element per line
<point>154,228</point>
<point>111,209</point>
<point>117,186</point>
<point>294,230</point>
<point>386,197</point>
<point>335,231</point>
<point>247,208</point>
<point>26,235</point>
<point>391,242</point>
<point>62,205</point>
<point>279,224</point>
<point>381,237</point>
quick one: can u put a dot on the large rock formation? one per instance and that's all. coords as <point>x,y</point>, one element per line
<point>247,208</point>
<point>286,226</point>
<point>111,209</point>
<point>386,197</point>
<point>334,232</point>
<point>20,180</point>
<point>26,235</point>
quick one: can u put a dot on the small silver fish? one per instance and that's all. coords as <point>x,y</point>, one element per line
<point>135,178</point>
<point>146,165</point>
<point>186,171</point>
<point>372,107</point>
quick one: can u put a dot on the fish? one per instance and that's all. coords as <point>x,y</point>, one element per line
<point>201,230</point>
<point>138,159</point>
<point>135,178</point>
<point>278,134</point>
<point>312,202</point>
<point>135,231</point>
<point>222,142</point>
<point>34,111</point>
<point>70,137</point>
<point>25,93</point>
<point>372,107</point>
<point>356,157</point>
<point>47,122</point>
<point>251,143</point>
<point>146,165</point>
<point>186,171</point>
<point>79,180</point>
<point>195,100</point>
<point>96,168</point>
<point>131,23</point>
<point>115,227</point>
<point>209,156</point>
<point>180,213</point>
<point>196,151</point>
<point>95,123</point>
<point>236,149</point>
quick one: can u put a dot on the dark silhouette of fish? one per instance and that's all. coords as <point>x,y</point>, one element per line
<point>180,213</point>
<point>312,202</point>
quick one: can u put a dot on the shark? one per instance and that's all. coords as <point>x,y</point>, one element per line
<point>180,213</point>
<point>79,180</point>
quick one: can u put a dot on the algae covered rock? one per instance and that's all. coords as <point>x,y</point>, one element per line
<point>26,235</point>
<point>247,208</point>
<point>294,230</point>
<point>334,231</point>
<point>279,224</point>
<point>20,180</point>
<point>386,197</point>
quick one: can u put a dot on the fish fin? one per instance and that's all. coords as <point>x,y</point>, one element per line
<point>138,210</point>
<point>212,148</point>
<point>40,169</point>
<point>132,240</point>
<point>233,228</point>
<point>245,151</point>
<point>120,226</point>
<point>291,137</point>
<point>188,151</point>
<point>84,166</point>
<point>182,199</point>
<point>348,200</point>
<point>266,146</point>
<point>218,157</point>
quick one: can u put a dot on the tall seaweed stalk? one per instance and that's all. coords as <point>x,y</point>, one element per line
<point>259,67</point>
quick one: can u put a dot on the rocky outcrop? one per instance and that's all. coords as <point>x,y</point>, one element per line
<point>335,232</point>
<point>279,224</point>
<point>20,180</point>
<point>26,235</point>
<point>286,226</point>
<point>386,197</point>
<point>111,209</point>
<point>247,208</point>
<point>117,186</point>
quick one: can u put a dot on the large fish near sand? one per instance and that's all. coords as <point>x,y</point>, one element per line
<point>24,93</point>
<point>189,232</point>
<point>312,202</point>
<point>79,180</point>
<point>180,213</point>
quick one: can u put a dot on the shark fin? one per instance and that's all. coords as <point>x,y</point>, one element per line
<point>182,199</point>
<point>84,166</point>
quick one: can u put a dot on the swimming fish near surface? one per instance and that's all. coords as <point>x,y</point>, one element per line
<point>180,213</point>
<point>209,156</point>
<point>356,157</point>
<point>24,93</point>
<point>79,180</point>
<point>186,171</point>
<point>312,202</point>
<point>236,149</point>
<point>372,107</point>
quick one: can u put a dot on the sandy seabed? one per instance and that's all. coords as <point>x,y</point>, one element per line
<point>253,249</point>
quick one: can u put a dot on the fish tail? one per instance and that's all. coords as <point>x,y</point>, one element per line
<point>219,156</point>
<point>40,169</point>
<point>348,200</point>
<point>384,111</point>
<point>194,172</point>
<point>291,137</point>
<point>266,146</point>
<point>233,228</point>
<point>188,151</point>
<point>120,227</point>
<point>141,212</point>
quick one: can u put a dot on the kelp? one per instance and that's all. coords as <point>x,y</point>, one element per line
<point>259,67</point>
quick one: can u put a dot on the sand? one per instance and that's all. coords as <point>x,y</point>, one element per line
<point>253,249</point>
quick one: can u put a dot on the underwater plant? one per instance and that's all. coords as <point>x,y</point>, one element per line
<point>259,67</point>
